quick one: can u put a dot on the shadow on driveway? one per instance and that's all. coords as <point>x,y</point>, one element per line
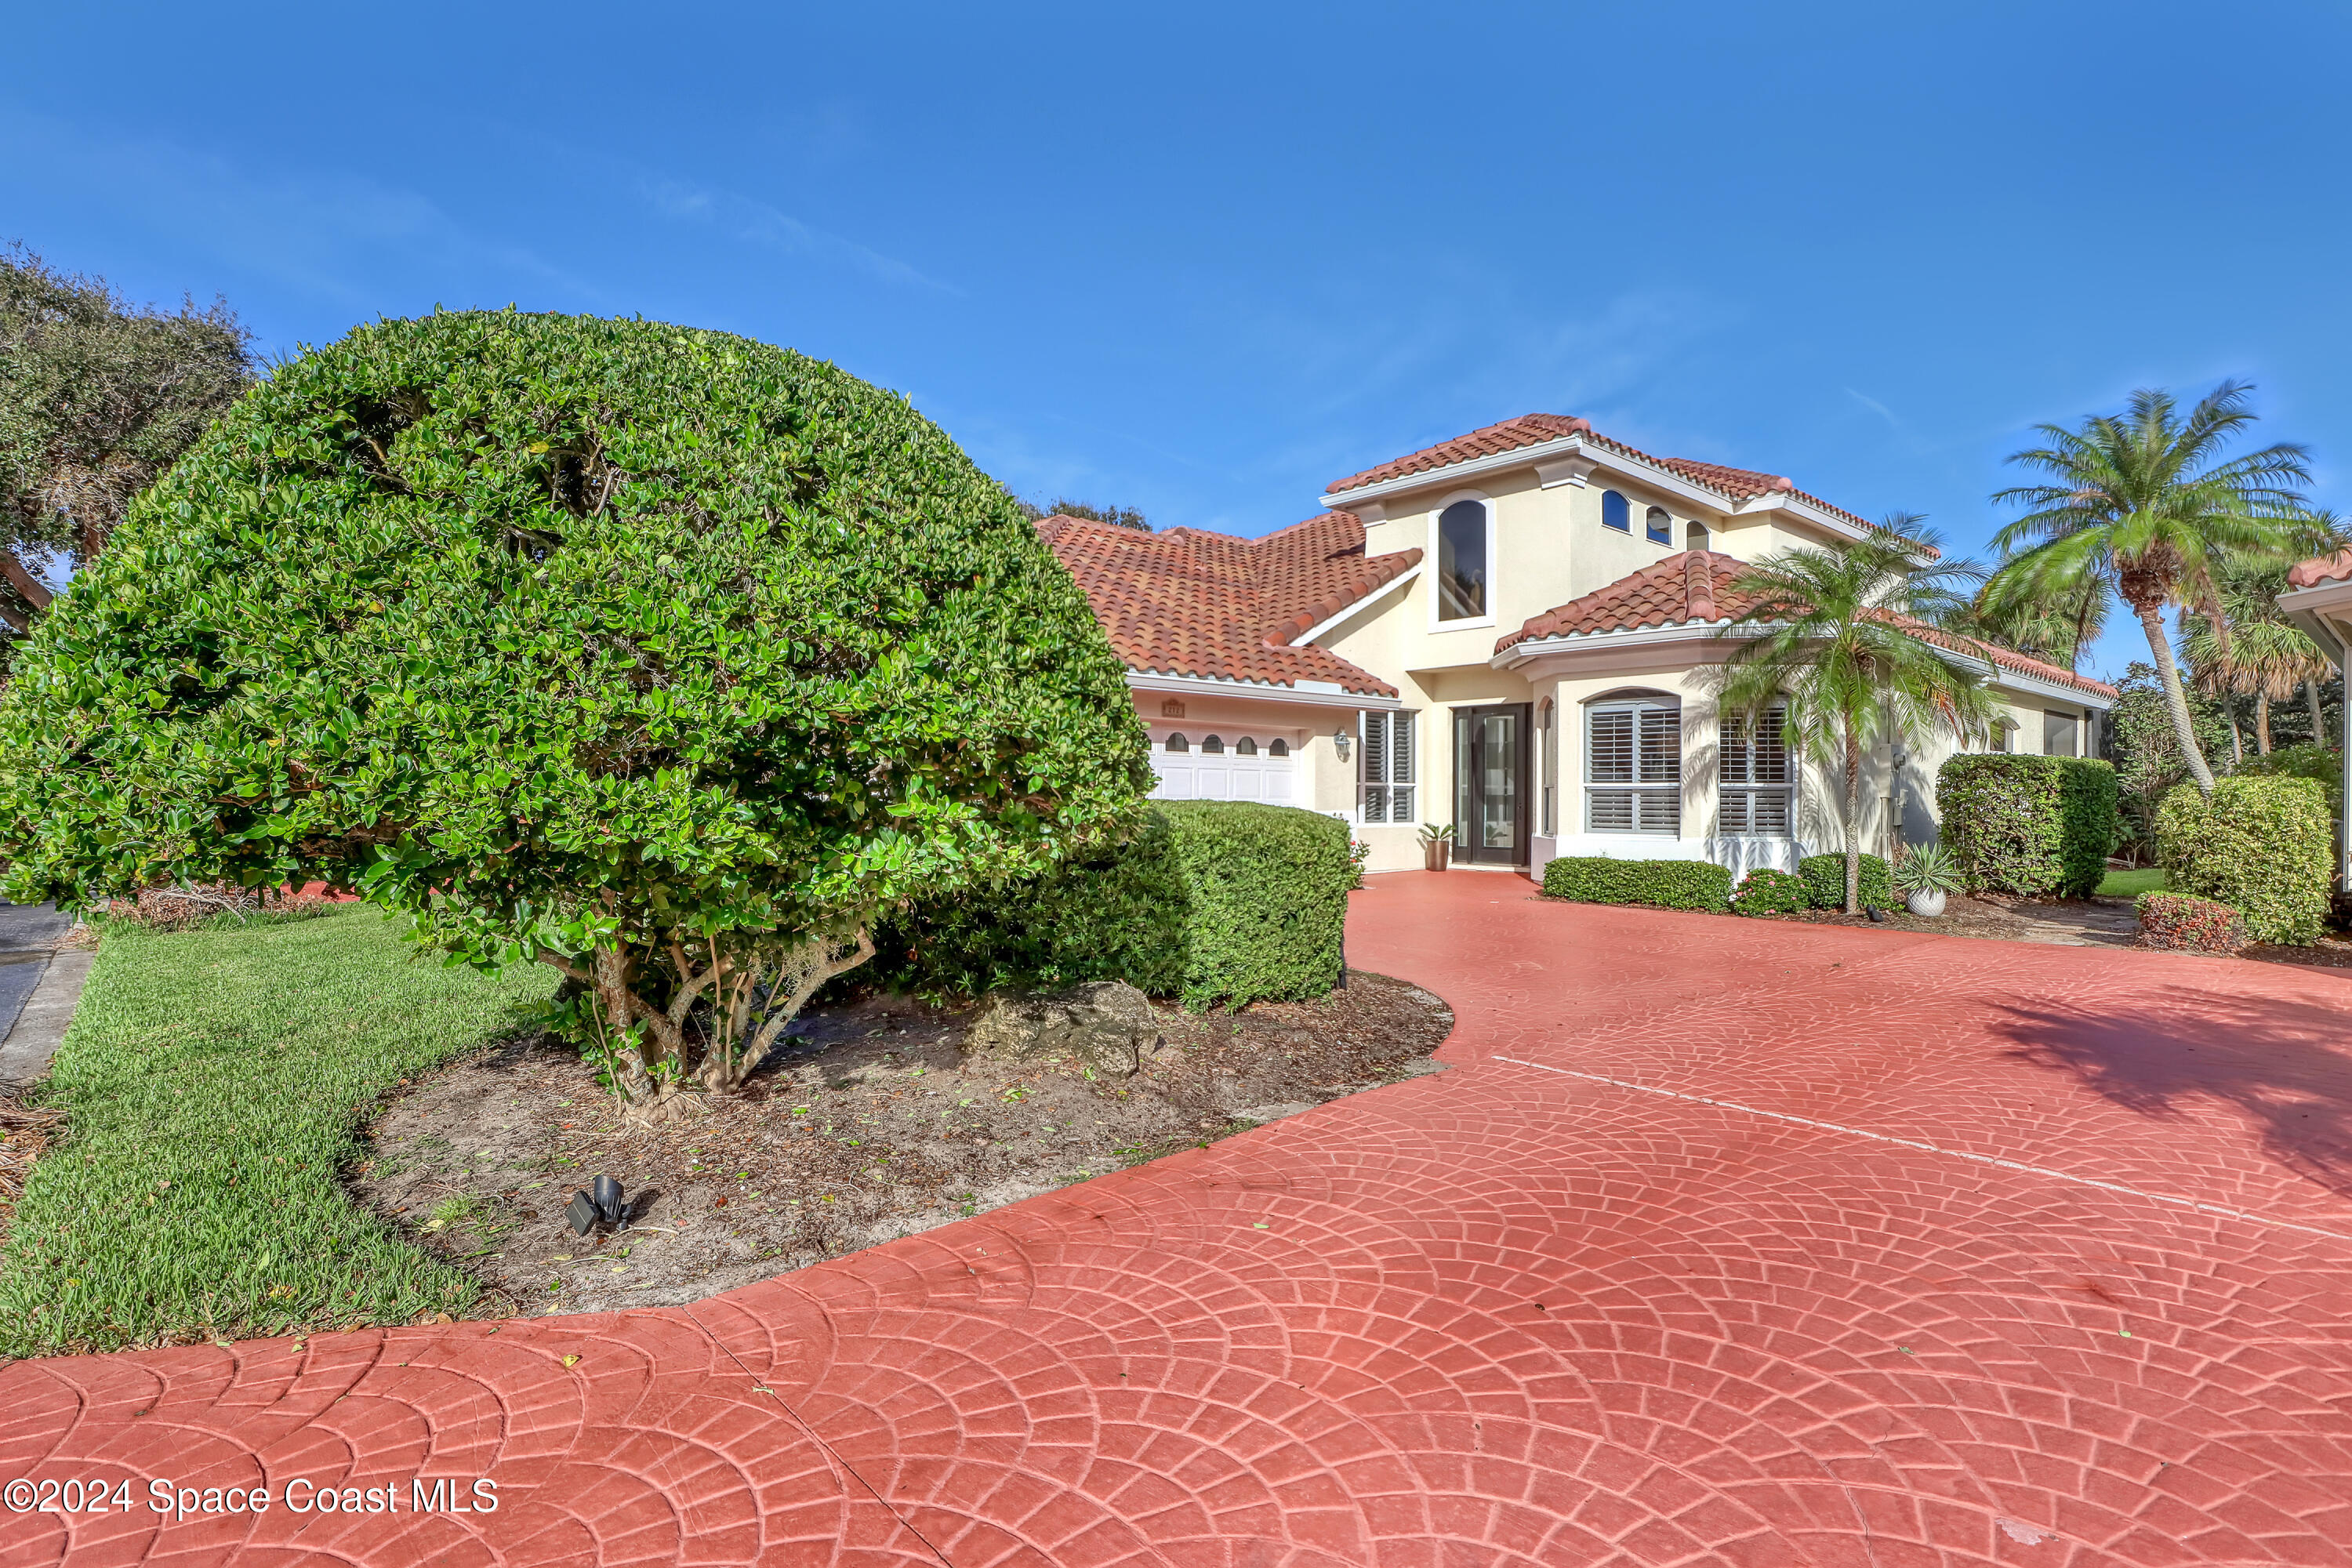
<point>2282,1065</point>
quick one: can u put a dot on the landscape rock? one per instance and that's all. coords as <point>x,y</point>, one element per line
<point>1103,1024</point>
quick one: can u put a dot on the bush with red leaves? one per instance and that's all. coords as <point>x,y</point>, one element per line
<point>2182,922</point>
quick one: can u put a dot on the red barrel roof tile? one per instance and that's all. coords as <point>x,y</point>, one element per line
<point>1702,588</point>
<point>1735,485</point>
<point>1189,602</point>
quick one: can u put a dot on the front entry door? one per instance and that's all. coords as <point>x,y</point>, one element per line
<point>1490,784</point>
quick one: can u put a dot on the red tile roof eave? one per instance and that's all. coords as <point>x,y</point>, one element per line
<point>1191,604</point>
<point>1538,429</point>
<point>2001,658</point>
<point>1698,588</point>
<point>2335,568</point>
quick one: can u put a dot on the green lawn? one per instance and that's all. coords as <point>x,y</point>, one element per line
<point>214,1082</point>
<point>2132,884</point>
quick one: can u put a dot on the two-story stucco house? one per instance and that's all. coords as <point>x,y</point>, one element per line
<point>1512,633</point>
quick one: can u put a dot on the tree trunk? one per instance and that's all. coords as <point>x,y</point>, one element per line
<point>2262,723</point>
<point>36,591</point>
<point>2237,737</point>
<point>2151,620</point>
<point>2318,724</point>
<point>1853,811</point>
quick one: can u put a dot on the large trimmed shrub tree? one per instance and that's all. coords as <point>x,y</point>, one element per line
<point>2037,826</point>
<point>663,656</point>
<point>2263,846</point>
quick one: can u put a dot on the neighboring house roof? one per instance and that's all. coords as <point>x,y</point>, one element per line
<point>1735,485</point>
<point>2334,568</point>
<point>1701,587</point>
<point>1189,602</point>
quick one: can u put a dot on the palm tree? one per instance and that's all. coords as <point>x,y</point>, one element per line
<point>2253,650</point>
<point>1833,639</point>
<point>2142,503</point>
<point>2057,632</point>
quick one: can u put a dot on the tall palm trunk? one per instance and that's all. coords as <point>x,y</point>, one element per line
<point>2311,701</point>
<point>2262,723</point>
<point>1852,818</point>
<point>2151,621</point>
<point>2237,736</point>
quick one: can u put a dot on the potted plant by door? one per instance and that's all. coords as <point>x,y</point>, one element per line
<point>1436,845</point>
<point>1926,877</point>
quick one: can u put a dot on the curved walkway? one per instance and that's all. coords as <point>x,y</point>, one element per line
<point>1725,1242</point>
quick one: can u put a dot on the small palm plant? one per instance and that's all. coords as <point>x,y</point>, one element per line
<point>1928,868</point>
<point>1832,636</point>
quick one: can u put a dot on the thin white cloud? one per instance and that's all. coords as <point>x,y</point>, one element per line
<point>755,221</point>
<point>315,230</point>
<point>1876,408</point>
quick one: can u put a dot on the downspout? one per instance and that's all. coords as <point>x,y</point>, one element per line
<point>2344,646</point>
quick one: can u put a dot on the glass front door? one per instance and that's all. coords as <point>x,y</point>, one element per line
<point>1490,784</point>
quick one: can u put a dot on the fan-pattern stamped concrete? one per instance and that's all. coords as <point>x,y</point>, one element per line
<point>1725,1243</point>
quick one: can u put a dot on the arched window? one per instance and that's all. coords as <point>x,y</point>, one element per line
<point>1695,536</point>
<point>1277,748</point>
<point>1754,776</point>
<point>1178,744</point>
<point>1633,764</point>
<point>1658,525</point>
<point>1616,512</point>
<point>1462,562</point>
<point>1213,745</point>
<point>1246,747</point>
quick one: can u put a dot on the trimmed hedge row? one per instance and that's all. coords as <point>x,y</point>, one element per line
<point>2262,844</point>
<point>1214,902</point>
<point>2030,825</point>
<point>1668,884</point>
<point>2182,922</point>
<point>1765,891</point>
<point>1824,878</point>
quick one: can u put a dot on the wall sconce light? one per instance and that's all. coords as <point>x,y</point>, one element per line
<point>1339,739</point>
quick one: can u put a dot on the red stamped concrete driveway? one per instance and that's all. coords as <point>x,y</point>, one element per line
<point>1724,1242</point>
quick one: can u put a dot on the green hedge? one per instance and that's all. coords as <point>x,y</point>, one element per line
<point>2036,826</point>
<point>1824,878</point>
<point>1210,901</point>
<point>1669,884</point>
<point>1765,891</point>
<point>2263,846</point>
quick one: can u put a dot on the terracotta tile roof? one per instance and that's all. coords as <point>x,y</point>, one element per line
<point>1700,587</point>
<point>1735,485</point>
<point>1696,585</point>
<point>1188,602</point>
<point>2332,568</point>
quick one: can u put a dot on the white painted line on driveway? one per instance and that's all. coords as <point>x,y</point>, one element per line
<point>1935,1149</point>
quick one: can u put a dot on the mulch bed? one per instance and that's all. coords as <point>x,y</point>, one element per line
<point>869,1125</point>
<point>2104,922</point>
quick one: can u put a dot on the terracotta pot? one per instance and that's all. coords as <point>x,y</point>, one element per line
<point>1923,903</point>
<point>1436,853</point>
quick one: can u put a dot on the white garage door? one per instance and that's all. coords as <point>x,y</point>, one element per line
<point>1223,767</point>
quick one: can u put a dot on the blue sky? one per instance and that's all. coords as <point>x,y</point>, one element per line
<point>1205,259</point>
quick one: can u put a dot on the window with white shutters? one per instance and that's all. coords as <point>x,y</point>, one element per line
<point>1634,766</point>
<point>1754,780</point>
<point>1385,767</point>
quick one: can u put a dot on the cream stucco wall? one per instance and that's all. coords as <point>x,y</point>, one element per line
<point>1547,545</point>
